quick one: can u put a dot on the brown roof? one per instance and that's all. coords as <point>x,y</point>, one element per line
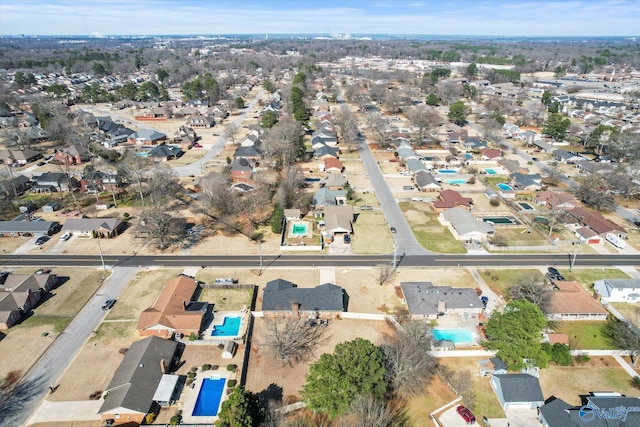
<point>171,309</point>
<point>558,338</point>
<point>332,162</point>
<point>451,199</point>
<point>571,298</point>
<point>554,199</point>
<point>596,221</point>
<point>491,153</point>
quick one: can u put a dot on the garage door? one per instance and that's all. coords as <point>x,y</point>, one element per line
<point>593,241</point>
<point>513,405</point>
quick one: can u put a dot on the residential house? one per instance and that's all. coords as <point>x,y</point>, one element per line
<point>597,222</point>
<point>241,168</point>
<point>517,391</point>
<point>149,229</point>
<point>292,214</point>
<point>566,157</point>
<point>415,165</point>
<point>338,220</point>
<point>506,90</point>
<point>618,290</point>
<point>448,199</point>
<point>16,186</point>
<point>513,166</point>
<point>251,153</point>
<point>163,153</point>
<point>490,154</point>
<point>174,311</point>
<point>588,236</point>
<point>19,157</point>
<point>49,182</point>
<point>554,200</point>
<point>282,297</point>
<point>95,227</point>
<point>465,226</point>
<point>474,144</point>
<point>327,197</point>
<point>528,182</point>
<point>510,130</point>
<point>98,181</point>
<point>426,182</point>
<point>591,412</point>
<point>129,396</point>
<point>146,137</point>
<point>492,366</point>
<point>20,293</point>
<point>23,226</point>
<point>570,301</point>
<point>201,121</point>
<point>587,166</point>
<point>325,152</point>
<point>426,301</point>
<point>335,181</point>
<point>405,153</point>
<point>332,164</point>
<point>72,155</point>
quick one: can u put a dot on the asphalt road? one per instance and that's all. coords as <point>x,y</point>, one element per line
<point>300,261</point>
<point>52,364</point>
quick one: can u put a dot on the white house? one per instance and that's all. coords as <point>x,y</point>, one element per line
<point>515,391</point>
<point>618,290</point>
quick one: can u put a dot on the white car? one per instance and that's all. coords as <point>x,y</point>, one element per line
<point>66,236</point>
<point>416,199</point>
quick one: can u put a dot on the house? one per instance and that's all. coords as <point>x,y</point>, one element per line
<point>73,155</point>
<point>492,366</point>
<point>292,214</point>
<point>426,301</point>
<point>20,293</point>
<point>512,166</point>
<point>569,301</point>
<point>283,297</point>
<point>566,157</point>
<point>95,227</point>
<point>490,154</point>
<point>335,181</point>
<point>426,182</point>
<point>201,121</point>
<point>241,168</point>
<point>26,227</point>
<point>588,236</point>
<point>338,219</point>
<point>174,311</point>
<point>248,153</point>
<point>448,199</point>
<point>597,222</point>
<point>325,152</point>
<point>554,200</point>
<point>332,164</point>
<point>327,197</point>
<point>14,187</point>
<point>529,182</point>
<point>19,157</point>
<point>516,391</point>
<point>465,226</point>
<point>618,290</point>
<point>146,137</point>
<point>597,409</point>
<point>163,153</point>
<point>129,396</point>
<point>415,165</point>
<point>50,182</point>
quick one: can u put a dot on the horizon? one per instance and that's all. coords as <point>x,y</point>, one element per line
<point>454,18</point>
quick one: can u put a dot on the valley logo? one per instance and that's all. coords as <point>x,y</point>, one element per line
<point>590,412</point>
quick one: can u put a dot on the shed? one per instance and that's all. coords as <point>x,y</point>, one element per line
<point>229,350</point>
<point>166,392</point>
<point>51,207</point>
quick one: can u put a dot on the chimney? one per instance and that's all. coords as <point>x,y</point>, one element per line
<point>442,306</point>
<point>163,366</point>
<point>294,308</point>
<point>184,305</point>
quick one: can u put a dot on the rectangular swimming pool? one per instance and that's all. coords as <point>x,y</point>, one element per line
<point>499,220</point>
<point>456,181</point>
<point>491,172</point>
<point>229,328</point>
<point>457,336</point>
<point>504,187</point>
<point>299,229</point>
<point>209,397</point>
<point>447,171</point>
<point>525,206</point>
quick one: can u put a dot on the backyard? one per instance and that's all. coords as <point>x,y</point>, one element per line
<point>500,280</point>
<point>584,335</point>
<point>429,232</point>
<point>587,276</point>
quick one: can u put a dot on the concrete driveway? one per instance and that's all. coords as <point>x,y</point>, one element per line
<point>51,412</point>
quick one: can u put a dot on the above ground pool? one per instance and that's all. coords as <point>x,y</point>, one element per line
<point>229,328</point>
<point>457,336</point>
<point>209,398</point>
<point>504,187</point>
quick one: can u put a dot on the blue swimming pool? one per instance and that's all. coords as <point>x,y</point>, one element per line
<point>504,187</point>
<point>447,171</point>
<point>456,181</point>
<point>229,328</point>
<point>457,336</point>
<point>491,172</point>
<point>209,397</point>
<point>526,206</point>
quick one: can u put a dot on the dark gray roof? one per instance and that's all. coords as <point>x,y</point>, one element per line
<point>282,295</point>
<point>325,149</point>
<point>425,179</point>
<point>422,297</point>
<point>525,180</point>
<point>520,388</point>
<point>558,413</point>
<point>164,151</point>
<point>136,379</point>
<point>247,152</point>
<point>26,226</point>
<point>498,364</point>
<point>49,177</point>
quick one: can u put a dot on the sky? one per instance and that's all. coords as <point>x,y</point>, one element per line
<point>213,17</point>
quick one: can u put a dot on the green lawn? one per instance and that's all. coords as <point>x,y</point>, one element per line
<point>500,280</point>
<point>371,234</point>
<point>587,276</point>
<point>428,231</point>
<point>584,335</point>
<point>57,322</point>
<point>519,237</point>
<point>494,179</point>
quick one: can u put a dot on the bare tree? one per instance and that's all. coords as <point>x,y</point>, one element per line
<point>410,364</point>
<point>424,118</point>
<point>449,91</point>
<point>526,287</point>
<point>231,132</point>
<point>135,168</point>
<point>346,124</point>
<point>292,339</point>
<point>461,382</point>
<point>162,227</point>
<point>384,274</point>
<point>367,411</point>
<point>283,143</point>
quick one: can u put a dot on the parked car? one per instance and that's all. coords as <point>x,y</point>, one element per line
<point>108,304</point>
<point>407,187</point>
<point>466,414</point>
<point>366,208</point>
<point>66,236</point>
<point>347,238</point>
<point>42,163</point>
<point>416,199</point>
<point>393,229</point>
<point>224,281</point>
<point>197,145</point>
<point>485,301</point>
<point>41,240</point>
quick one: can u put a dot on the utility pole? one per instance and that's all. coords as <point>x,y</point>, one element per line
<point>260,253</point>
<point>395,255</point>
<point>104,267</point>
<point>575,253</point>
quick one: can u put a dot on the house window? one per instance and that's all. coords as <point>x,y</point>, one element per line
<point>116,416</point>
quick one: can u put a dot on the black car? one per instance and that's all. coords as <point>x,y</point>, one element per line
<point>347,238</point>
<point>108,304</point>
<point>393,229</point>
<point>41,240</point>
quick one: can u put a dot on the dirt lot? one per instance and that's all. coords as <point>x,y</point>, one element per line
<point>264,370</point>
<point>28,340</point>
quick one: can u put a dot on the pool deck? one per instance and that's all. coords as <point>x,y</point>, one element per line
<point>191,392</point>
<point>218,319</point>
<point>469,322</point>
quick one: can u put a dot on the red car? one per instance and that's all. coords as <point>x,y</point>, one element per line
<point>197,145</point>
<point>466,414</point>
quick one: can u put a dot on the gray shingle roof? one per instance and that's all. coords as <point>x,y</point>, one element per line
<point>464,222</point>
<point>91,224</point>
<point>26,226</point>
<point>280,295</point>
<point>423,297</point>
<point>136,379</point>
<point>520,388</point>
